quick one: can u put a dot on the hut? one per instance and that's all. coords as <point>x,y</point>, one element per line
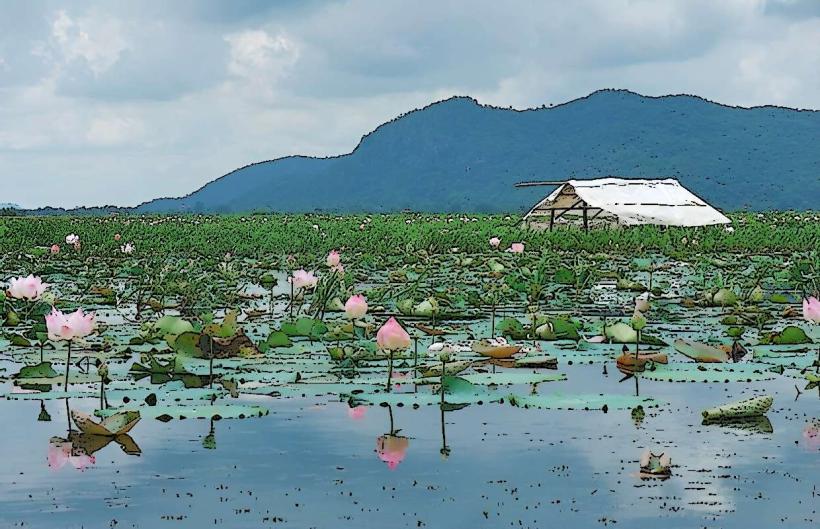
<point>620,201</point>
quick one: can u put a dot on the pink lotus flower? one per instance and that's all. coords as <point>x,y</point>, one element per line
<point>392,336</point>
<point>811,309</point>
<point>127,248</point>
<point>392,449</point>
<point>516,247</point>
<point>63,327</point>
<point>356,307</point>
<point>29,288</point>
<point>357,412</point>
<point>55,248</point>
<point>117,237</point>
<point>333,259</point>
<point>72,239</point>
<point>494,242</point>
<point>303,279</point>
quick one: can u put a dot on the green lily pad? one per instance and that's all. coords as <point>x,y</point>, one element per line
<point>714,373</point>
<point>559,401</point>
<point>790,335</point>
<point>508,378</point>
<point>41,370</point>
<point>222,411</point>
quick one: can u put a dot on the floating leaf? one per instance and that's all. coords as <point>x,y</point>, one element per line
<point>601,401</point>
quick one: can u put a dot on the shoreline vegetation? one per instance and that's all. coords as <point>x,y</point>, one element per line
<point>267,235</point>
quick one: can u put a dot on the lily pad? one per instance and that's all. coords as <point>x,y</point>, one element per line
<point>221,411</point>
<point>715,373</point>
<point>600,401</point>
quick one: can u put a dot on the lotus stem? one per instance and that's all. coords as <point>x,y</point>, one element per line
<point>389,368</point>
<point>290,307</point>
<point>68,415</point>
<point>415,357</point>
<point>67,366</point>
<point>210,362</point>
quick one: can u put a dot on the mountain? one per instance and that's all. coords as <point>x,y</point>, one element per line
<point>459,156</point>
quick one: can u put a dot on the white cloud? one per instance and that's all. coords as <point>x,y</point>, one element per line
<point>259,60</point>
<point>114,130</point>
<point>96,40</point>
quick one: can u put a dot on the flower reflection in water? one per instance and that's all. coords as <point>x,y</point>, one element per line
<point>392,447</point>
<point>811,434</point>
<point>62,451</point>
<point>356,412</point>
<point>79,449</point>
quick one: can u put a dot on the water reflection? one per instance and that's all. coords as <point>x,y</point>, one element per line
<point>655,466</point>
<point>62,451</point>
<point>209,441</point>
<point>43,416</point>
<point>444,450</point>
<point>356,413</point>
<point>392,447</point>
<point>811,434</point>
<point>755,425</point>
<point>77,448</point>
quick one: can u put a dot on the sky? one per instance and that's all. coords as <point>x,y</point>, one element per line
<point>118,102</point>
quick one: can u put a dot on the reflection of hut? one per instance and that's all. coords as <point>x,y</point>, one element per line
<point>620,201</point>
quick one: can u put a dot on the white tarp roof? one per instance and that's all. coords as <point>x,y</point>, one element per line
<point>635,201</point>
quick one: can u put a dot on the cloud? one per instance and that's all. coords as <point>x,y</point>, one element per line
<point>97,41</point>
<point>114,130</point>
<point>186,91</point>
<point>260,57</point>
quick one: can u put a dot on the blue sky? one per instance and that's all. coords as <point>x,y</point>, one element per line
<point>118,102</point>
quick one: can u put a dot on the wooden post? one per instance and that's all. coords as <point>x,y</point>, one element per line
<point>552,218</point>
<point>586,221</point>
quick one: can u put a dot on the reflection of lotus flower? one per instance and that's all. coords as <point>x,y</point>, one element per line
<point>356,307</point>
<point>67,327</point>
<point>303,279</point>
<point>811,309</point>
<point>333,259</point>
<point>494,242</point>
<point>812,434</point>
<point>61,451</point>
<point>357,412</point>
<point>392,337</point>
<point>398,378</point>
<point>392,449</point>
<point>29,288</point>
<point>516,247</point>
<point>655,464</point>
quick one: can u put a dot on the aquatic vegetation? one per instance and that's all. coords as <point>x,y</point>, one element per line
<point>240,328</point>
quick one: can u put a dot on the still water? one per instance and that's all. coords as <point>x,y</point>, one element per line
<point>314,463</point>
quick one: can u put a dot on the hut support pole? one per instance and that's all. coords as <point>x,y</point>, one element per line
<point>552,218</point>
<point>586,218</point>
